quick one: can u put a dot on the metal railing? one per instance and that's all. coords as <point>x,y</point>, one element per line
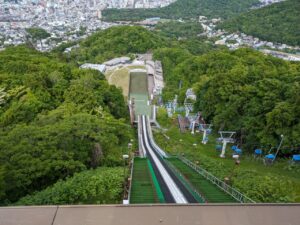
<point>186,183</point>
<point>130,185</point>
<point>221,184</point>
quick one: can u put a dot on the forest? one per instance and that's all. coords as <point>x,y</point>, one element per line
<point>185,9</point>
<point>100,186</point>
<point>55,120</point>
<point>279,22</point>
<point>129,40</point>
<point>64,127</point>
<point>115,42</point>
<point>242,90</point>
<point>179,30</point>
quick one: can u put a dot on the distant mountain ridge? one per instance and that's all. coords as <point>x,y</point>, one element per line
<point>183,9</point>
<point>279,22</point>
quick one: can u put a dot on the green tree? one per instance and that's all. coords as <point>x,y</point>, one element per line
<point>37,34</point>
<point>101,186</point>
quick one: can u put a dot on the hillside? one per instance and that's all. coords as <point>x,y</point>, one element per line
<point>279,22</point>
<point>242,90</point>
<point>117,41</point>
<point>179,30</point>
<point>183,9</point>
<point>55,120</point>
<point>62,127</point>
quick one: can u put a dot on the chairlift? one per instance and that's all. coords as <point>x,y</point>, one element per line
<point>225,137</point>
<point>206,129</point>
<point>270,157</point>
<point>237,151</point>
<point>218,147</point>
<point>296,159</point>
<point>258,152</point>
<point>194,120</point>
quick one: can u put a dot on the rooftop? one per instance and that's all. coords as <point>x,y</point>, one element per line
<point>264,214</point>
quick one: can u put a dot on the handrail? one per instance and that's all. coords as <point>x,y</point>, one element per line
<point>221,184</point>
<point>131,174</point>
<point>187,184</point>
<point>142,151</point>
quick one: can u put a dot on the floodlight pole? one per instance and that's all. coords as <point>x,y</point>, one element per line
<point>279,146</point>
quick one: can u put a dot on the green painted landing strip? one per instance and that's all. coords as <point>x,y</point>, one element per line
<point>156,184</point>
<point>208,190</point>
<point>143,189</point>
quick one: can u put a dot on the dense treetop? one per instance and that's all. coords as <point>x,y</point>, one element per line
<point>183,9</point>
<point>128,40</point>
<point>55,119</point>
<point>117,41</point>
<point>243,90</point>
<point>279,22</point>
<point>176,29</point>
<point>37,33</point>
<point>100,186</point>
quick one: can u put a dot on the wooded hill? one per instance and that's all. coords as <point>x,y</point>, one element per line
<point>55,120</point>
<point>279,22</point>
<point>242,90</point>
<point>183,9</point>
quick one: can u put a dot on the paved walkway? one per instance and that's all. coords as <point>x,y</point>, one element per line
<point>152,215</point>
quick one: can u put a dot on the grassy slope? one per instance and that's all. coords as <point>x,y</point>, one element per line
<point>183,143</point>
<point>278,22</point>
<point>120,77</point>
<point>183,9</point>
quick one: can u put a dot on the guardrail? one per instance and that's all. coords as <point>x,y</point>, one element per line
<point>221,184</point>
<point>187,184</point>
<point>131,173</point>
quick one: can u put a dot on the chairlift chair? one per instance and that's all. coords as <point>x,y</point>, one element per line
<point>206,129</point>
<point>236,150</point>
<point>225,137</point>
<point>270,158</point>
<point>257,152</point>
<point>296,159</point>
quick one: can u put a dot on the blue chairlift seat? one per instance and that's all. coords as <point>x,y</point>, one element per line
<point>270,156</point>
<point>234,147</point>
<point>238,151</point>
<point>258,152</point>
<point>218,147</point>
<point>296,158</point>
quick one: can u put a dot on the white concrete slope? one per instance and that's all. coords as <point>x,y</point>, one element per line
<point>175,191</point>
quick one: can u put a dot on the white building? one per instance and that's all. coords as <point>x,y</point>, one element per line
<point>99,67</point>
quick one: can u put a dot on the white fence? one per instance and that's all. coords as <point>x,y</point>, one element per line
<point>222,185</point>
